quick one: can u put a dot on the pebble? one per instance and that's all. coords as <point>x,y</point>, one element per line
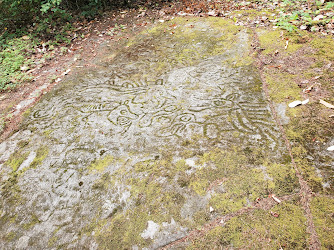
<point>318,17</point>
<point>294,104</point>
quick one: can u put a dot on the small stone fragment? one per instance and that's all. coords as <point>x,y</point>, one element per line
<point>276,199</point>
<point>286,44</point>
<point>190,162</point>
<point>212,13</point>
<point>211,209</point>
<point>305,101</point>
<point>295,104</point>
<point>24,68</point>
<point>328,105</point>
<point>318,18</point>
<point>303,27</point>
<point>66,72</point>
<point>331,148</point>
<point>182,13</point>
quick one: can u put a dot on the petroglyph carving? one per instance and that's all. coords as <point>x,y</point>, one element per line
<point>163,108</point>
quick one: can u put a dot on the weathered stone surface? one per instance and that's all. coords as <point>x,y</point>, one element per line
<point>134,153</point>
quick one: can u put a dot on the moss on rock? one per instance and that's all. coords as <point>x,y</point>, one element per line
<point>259,230</point>
<point>310,122</point>
<point>16,159</point>
<point>186,37</point>
<point>271,41</point>
<point>41,154</point>
<point>323,214</point>
<point>100,164</point>
<point>161,187</point>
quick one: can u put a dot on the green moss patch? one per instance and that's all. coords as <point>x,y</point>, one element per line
<point>309,124</point>
<point>161,187</point>
<point>190,41</point>
<point>271,41</point>
<point>284,180</point>
<point>41,154</point>
<point>323,215</point>
<point>324,47</point>
<point>259,229</point>
<point>282,87</point>
<point>101,163</point>
<point>16,159</point>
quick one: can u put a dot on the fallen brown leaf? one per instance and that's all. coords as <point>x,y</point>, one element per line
<point>274,214</point>
<point>308,90</point>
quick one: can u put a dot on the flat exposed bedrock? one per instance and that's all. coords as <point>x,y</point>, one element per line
<point>164,137</point>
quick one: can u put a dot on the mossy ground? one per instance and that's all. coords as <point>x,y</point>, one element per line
<point>259,229</point>
<point>323,210</point>
<point>309,123</point>
<point>306,62</point>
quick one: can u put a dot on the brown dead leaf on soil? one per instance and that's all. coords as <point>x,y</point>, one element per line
<point>274,214</point>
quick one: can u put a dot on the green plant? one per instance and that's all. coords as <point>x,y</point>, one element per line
<point>295,13</point>
<point>63,50</point>
<point>329,6</point>
<point>285,24</point>
<point>12,60</point>
<point>46,18</point>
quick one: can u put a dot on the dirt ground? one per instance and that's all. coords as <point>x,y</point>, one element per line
<point>80,55</point>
